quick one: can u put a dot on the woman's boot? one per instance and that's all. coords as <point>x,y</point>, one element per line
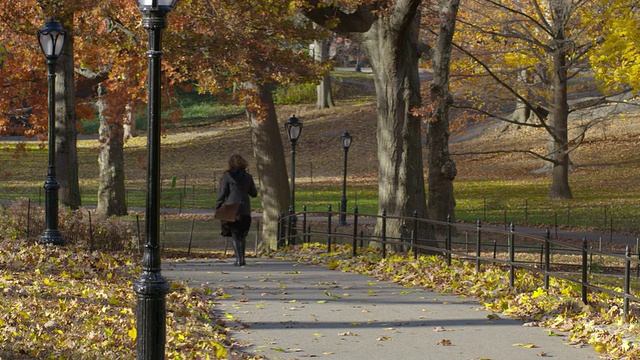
<point>243,248</point>
<point>237,249</point>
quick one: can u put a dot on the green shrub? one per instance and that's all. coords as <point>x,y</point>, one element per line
<point>295,94</point>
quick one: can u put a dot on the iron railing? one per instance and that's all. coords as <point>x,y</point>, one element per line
<point>578,262</point>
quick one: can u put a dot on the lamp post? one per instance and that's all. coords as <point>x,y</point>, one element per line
<point>51,39</point>
<point>345,140</point>
<point>151,287</point>
<point>294,128</point>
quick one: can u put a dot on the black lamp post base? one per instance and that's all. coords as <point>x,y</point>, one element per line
<point>52,236</point>
<point>151,289</point>
<point>343,210</point>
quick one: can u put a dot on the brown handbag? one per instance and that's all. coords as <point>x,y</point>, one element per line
<point>227,213</point>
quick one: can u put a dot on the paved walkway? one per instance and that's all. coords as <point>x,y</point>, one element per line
<point>297,311</point>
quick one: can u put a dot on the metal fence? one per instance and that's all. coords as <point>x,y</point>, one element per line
<point>590,267</point>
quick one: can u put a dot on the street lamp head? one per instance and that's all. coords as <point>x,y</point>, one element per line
<point>294,128</point>
<point>346,139</point>
<point>166,5</point>
<point>51,39</point>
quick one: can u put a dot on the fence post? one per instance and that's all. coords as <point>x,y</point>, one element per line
<point>584,270</point>
<point>304,223</point>
<point>355,231</point>
<point>281,232</point>
<point>495,250</point>
<point>329,229</point>
<point>547,251</point>
<point>447,241</point>
<point>290,226</point>
<point>193,222</point>
<point>414,236</point>
<point>627,281</point>
<point>478,245</point>
<point>611,232</point>
<point>384,233</point>
<point>28,216</point>
<point>512,251</point>
<point>90,233</point>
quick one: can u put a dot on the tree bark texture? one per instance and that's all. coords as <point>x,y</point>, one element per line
<point>325,96</point>
<point>270,162</point>
<point>441,168</point>
<point>560,174</point>
<point>66,132</point>
<point>391,44</point>
<point>111,189</point>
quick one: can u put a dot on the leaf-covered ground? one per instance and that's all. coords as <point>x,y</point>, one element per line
<point>599,324</point>
<point>65,303</point>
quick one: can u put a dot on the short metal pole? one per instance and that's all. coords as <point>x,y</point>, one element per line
<point>290,226</point>
<point>512,252</point>
<point>355,231</point>
<point>384,233</point>
<point>414,237</point>
<point>627,281</point>
<point>478,245</point>
<point>304,223</point>
<point>547,252</point>
<point>584,270</point>
<point>447,244</point>
<point>329,229</point>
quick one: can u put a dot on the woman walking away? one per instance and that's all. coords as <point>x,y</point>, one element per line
<point>235,188</point>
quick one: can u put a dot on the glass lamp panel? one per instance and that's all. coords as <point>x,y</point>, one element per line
<point>346,140</point>
<point>294,132</point>
<point>157,3</point>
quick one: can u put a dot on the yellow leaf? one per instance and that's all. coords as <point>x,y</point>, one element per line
<point>133,333</point>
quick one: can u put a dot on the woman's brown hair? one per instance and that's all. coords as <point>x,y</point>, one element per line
<point>237,162</point>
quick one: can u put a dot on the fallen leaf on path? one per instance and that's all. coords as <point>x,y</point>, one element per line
<point>439,329</point>
<point>526,346</point>
<point>542,354</point>
<point>384,338</point>
<point>444,342</point>
<point>348,333</point>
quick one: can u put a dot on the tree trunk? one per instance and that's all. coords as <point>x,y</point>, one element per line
<point>270,162</point>
<point>559,132</point>
<point>321,53</point>
<point>111,190</point>
<point>442,170</point>
<point>66,133</point>
<point>560,174</point>
<point>129,123</point>
<point>390,39</point>
<point>393,54</point>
